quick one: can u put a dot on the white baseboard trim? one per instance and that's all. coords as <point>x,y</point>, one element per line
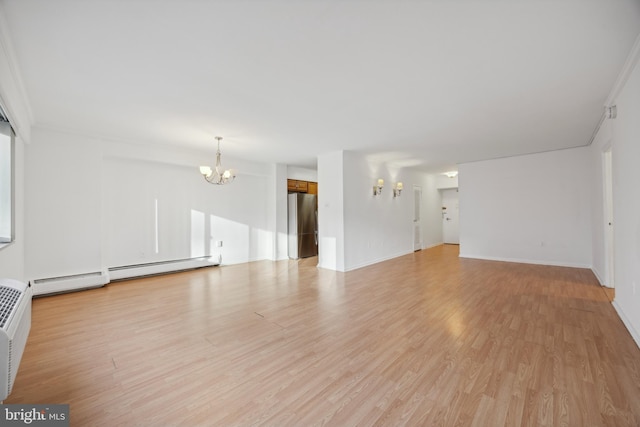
<point>600,279</point>
<point>634,333</point>
<point>433,245</point>
<point>526,261</point>
<point>595,273</point>
<point>375,261</point>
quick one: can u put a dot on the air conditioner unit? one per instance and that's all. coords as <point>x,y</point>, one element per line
<point>15,323</point>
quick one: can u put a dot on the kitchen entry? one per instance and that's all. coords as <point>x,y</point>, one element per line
<point>302,218</point>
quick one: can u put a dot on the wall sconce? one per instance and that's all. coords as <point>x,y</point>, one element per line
<point>397,189</point>
<point>451,174</point>
<point>377,189</point>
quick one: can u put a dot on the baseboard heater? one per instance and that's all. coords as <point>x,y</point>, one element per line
<point>162,267</point>
<point>60,284</point>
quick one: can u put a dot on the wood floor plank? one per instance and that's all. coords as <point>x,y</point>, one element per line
<point>424,339</point>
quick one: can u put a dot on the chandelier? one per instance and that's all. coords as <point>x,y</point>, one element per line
<point>217,175</point>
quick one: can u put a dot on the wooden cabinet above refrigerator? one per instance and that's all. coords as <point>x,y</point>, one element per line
<point>298,186</point>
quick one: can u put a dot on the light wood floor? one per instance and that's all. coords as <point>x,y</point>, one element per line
<point>425,339</point>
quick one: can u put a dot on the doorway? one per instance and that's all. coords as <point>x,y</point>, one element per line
<point>450,223</point>
<point>417,210</point>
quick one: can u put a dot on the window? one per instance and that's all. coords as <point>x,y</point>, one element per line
<point>6,180</point>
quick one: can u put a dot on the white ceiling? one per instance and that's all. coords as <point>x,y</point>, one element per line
<point>420,83</point>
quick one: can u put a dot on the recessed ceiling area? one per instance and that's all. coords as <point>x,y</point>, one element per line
<point>432,83</point>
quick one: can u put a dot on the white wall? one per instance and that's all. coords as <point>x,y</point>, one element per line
<point>331,211</point>
<point>303,174</point>
<point>63,206</point>
<point>626,197</point>
<point>444,182</point>
<point>533,209</point>
<point>277,200</point>
<point>92,205</point>
<point>357,228</point>
<point>379,227</point>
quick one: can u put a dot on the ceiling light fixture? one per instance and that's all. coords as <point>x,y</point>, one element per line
<point>216,176</point>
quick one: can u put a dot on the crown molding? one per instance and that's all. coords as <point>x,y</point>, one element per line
<point>628,67</point>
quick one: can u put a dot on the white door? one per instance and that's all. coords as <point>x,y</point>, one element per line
<point>450,233</point>
<point>608,216</point>
<point>417,232</point>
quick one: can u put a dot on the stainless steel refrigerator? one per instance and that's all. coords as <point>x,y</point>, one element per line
<point>303,225</point>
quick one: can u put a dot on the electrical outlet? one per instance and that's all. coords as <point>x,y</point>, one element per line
<point>219,243</point>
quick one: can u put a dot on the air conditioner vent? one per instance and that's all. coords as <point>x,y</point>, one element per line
<point>16,323</point>
<point>8,299</point>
